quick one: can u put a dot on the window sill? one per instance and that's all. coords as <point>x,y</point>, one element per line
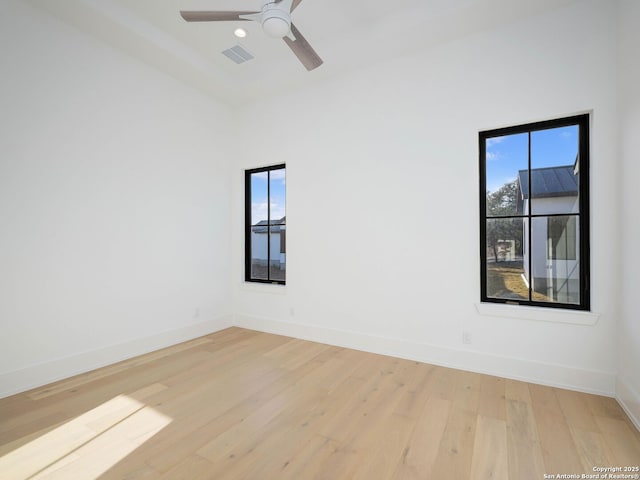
<point>538,314</point>
<point>271,288</point>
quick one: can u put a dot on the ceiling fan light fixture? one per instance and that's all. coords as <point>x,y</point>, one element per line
<point>276,26</point>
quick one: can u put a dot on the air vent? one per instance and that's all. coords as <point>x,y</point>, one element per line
<point>238,54</point>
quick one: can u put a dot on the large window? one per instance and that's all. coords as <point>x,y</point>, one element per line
<point>534,214</point>
<point>265,225</point>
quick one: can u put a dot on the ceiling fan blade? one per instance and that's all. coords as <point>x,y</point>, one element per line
<point>207,16</point>
<point>295,4</point>
<point>307,55</point>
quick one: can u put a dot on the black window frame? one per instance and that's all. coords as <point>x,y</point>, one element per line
<point>583,123</point>
<point>247,230</point>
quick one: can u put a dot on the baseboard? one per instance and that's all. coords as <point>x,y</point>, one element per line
<point>629,400</point>
<point>589,381</point>
<point>41,374</point>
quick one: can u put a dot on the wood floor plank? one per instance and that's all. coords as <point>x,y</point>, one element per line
<point>456,447</point>
<point>559,450</point>
<point>441,383</point>
<point>335,369</point>
<point>308,462</point>
<point>180,439</point>
<point>467,394</point>
<point>376,388</point>
<point>226,444</point>
<point>241,404</point>
<point>16,443</point>
<point>303,435</point>
<point>543,398</point>
<point>592,448</point>
<point>517,390</point>
<point>420,451</point>
<point>44,451</point>
<point>194,467</point>
<point>605,407</point>
<point>356,435</point>
<point>492,399</point>
<point>620,439</point>
<point>243,455</point>
<point>490,459</point>
<point>378,424</point>
<point>576,410</point>
<point>416,394</point>
<point>523,444</point>
<point>34,421</point>
<point>386,448</point>
<point>204,427</point>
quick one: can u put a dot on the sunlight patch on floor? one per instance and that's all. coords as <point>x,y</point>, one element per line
<point>88,445</point>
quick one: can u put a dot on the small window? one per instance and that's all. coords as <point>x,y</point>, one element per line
<point>534,214</point>
<point>265,225</point>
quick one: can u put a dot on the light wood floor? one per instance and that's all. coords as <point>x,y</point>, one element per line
<point>239,404</point>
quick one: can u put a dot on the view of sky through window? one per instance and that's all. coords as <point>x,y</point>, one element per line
<point>508,154</point>
<point>259,184</point>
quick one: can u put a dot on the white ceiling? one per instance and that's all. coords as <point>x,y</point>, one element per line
<point>347,34</point>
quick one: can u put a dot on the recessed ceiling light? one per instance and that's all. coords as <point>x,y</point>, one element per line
<point>240,32</point>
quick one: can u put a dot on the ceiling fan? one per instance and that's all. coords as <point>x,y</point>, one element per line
<point>275,18</point>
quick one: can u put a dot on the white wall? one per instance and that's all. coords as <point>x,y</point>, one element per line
<point>114,204</point>
<point>628,388</point>
<point>388,157</point>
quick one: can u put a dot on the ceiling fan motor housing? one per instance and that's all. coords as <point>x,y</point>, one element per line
<point>276,22</point>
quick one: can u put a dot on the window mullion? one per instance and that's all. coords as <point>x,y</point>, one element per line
<point>269,225</point>
<point>529,220</point>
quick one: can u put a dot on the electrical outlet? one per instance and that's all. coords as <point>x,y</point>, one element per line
<point>196,313</point>
<point>466,338</point>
